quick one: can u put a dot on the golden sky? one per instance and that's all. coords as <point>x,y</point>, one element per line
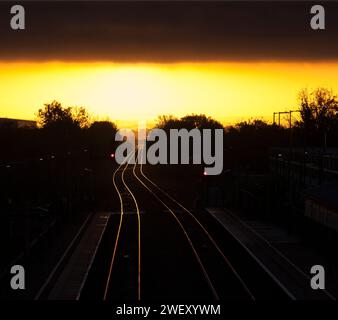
<point>127,93</point>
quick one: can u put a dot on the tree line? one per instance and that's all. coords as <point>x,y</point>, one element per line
<point>62,129</point>
<point>247,143</point>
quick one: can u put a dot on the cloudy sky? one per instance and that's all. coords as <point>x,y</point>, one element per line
<point>131,60</point>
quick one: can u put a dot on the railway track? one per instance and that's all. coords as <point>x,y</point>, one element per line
<point>124,261</point>
<point>216,269</point>
<point>126,254</point>
<point>172,252</point>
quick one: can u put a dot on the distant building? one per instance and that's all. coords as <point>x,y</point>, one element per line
<point>17,123</point>
<point>321,205</point>
<point>313,173</point>
<point>310,167</point>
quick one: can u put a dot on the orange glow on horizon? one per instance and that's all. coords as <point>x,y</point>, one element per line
<point>129,93</point>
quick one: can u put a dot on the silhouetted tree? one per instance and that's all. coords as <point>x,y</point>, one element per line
<point>319,113</point>
<point>80,117</point>
<point>198,121</point>
<point>247,143</point>
<point>54,115</point>
<point>167,121</point>
<point>251,125</point>
<point>101,137</point>
<point>103,127</point>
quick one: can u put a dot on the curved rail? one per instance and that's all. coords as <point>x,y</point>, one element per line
<point>205,231</point>
<point>205,273</point>
<point>120,226</point>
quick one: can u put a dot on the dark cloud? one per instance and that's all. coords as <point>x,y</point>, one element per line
<point>169,31</point>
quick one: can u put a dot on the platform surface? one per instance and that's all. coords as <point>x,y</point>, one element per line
<point>71,280</point>
<point>261,241</point>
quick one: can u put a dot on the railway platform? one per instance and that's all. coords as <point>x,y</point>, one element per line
<point>261,243</point>
<point>70,282</point>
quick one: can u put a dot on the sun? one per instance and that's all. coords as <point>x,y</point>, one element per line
<point>135,91</point>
